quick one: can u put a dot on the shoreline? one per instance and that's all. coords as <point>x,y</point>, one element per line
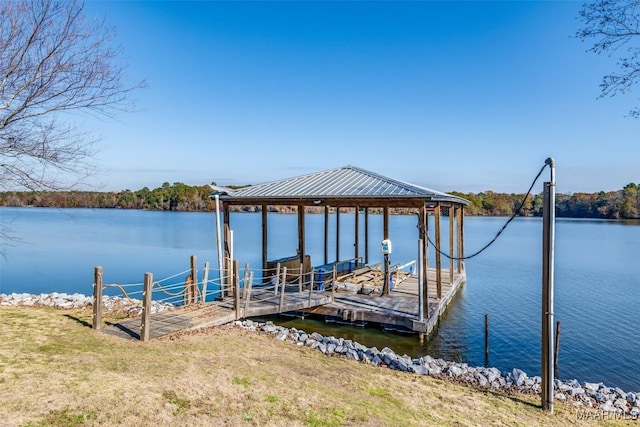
<point>591,396</point>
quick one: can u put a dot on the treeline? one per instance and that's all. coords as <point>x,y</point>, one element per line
<point>168,197</point>
<point>623,203</point>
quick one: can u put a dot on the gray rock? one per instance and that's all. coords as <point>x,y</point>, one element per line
<point>635,412</point>
<point>600,397</point>
<point>331,348</point>
<point>376,361</point>
<point>316,336</point>
<point>631,397</point>
<point>482,380</point>
<point>435,370</point>
<point>352,355</point>
<point>453,371</point>
<point>282,335</point>
<point>560,396</point>
<point>420,369</point>
<point>303,337</point>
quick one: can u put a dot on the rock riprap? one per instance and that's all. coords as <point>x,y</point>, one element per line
<point>587,395</point>
<point>74,301</point>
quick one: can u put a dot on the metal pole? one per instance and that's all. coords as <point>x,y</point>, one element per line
<point>219,243</point>
<point>548,243</point>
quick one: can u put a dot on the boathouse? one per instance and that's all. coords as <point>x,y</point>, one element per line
<point>356,191</point>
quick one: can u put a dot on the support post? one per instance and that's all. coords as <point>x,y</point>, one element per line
<point>247,300</point>
<point>421,289</point>
<point>555,356</point>
<point>146,307</point>
<point>194,280</point>
<point>236,288</point>
<point>366,236</point>
<point>438,255</point>
<point>282,289</point>
<point>310,289</point>
<point>277,277</point>
<point>301,233</point>
<point>333,283</point>
<point>548,241</point>
<point>245,280</point>
<point>451,254</point>
<point>300,275</point>
<point>356,242</point>
<point>326,234</point>
<point>97,298</point>
<point>337,233</point>
<point>205,280</point>
<point>486,339</point>
<point>459,237</point>
<point>385,236</point>
<point>264,236</point>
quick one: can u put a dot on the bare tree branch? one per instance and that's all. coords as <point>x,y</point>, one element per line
<point>53,61</point>
<point>614,25</point>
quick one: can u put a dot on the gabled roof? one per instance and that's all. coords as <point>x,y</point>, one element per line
<point>348,182</point>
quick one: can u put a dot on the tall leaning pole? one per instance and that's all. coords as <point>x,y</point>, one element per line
<point>548,249</point>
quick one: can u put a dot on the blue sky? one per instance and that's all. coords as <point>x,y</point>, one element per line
<point>466,96</point>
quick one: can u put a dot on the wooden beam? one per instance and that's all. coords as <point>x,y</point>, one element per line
<point>366,236</point>
<point>337,234</point>
<point>326,234</point>
<point>462,235</point>
<point>451,254</point>
<point>145,326</point>
<point>459,238</point>
<point>423,263</point>
<point>265,236</point>
<point>301,233</point>
<point>385,234</point>
<point>97,298</point>
<point>438,256</point>
<point>356,243</point>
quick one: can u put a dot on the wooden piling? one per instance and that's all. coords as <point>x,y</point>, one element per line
<point>247,299</point>
<point>486,339</point>
<point>145,327</point>
<point>438,254</point>
<point>277,276</point>
<point>194,280</point>
<point>311,288</point>
<point>236,288</point>
<point>300,278</point>
<point>97,298</point>
<point>205,279</point>
<point>556,350</point>
<point>245,279</point>
<point>333,285</point>
<point>451,254</point>
<point>282,289</point>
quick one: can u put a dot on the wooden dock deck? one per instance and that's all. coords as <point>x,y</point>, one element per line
<point>202,315</point>
<point>398,310</point>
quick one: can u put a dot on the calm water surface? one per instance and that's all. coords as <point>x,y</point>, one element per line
<point>597,277</point>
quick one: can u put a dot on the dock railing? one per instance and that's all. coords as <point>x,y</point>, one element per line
<point>239,292</point>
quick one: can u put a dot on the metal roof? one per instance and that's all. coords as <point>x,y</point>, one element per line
<point>348,182</point>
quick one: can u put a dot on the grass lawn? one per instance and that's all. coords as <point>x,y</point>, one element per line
<point>56,371</point>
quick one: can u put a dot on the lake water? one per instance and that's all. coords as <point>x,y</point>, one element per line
<point>597,277</point>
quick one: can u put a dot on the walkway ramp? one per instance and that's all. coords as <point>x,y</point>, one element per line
<point>250,303</point>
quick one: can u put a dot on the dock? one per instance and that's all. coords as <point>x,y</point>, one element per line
<point>260,302</point>
<point>356,299</point>
<point>398,310</point>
